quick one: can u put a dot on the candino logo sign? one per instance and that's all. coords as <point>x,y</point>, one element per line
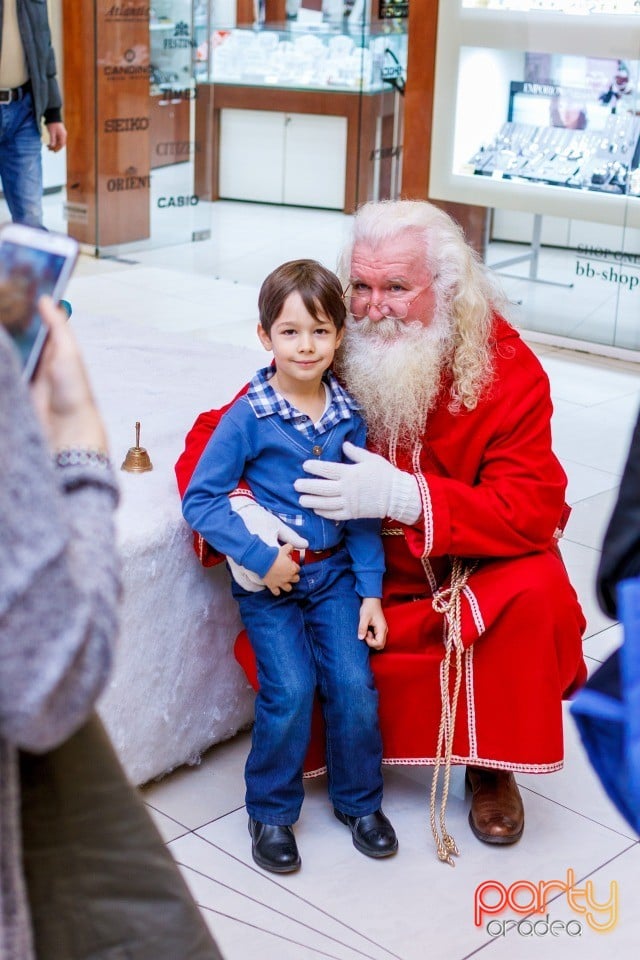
<point>528,899</point>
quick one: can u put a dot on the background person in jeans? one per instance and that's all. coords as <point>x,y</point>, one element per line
<point>28,92</point>
<point>309,628</point>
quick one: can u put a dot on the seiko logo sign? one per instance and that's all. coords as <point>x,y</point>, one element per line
<point>190,200</point>
<point>123,124</point>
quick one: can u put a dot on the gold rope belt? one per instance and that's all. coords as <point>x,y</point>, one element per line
<point>447,601</point>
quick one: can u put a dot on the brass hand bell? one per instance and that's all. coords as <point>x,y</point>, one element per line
<point>137,459</point>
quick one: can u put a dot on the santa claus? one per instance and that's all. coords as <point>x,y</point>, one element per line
<point>484,626</point>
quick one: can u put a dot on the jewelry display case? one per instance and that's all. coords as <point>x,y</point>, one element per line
<point>537,109</point>
<point>319,102</point>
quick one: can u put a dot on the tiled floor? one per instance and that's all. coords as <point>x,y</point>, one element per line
<point>411,907</point>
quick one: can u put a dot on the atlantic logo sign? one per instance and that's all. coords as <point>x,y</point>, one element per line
<point>131,12</point>
<point>530,903</point>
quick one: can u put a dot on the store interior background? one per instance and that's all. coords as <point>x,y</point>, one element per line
<point>167,324</point>
<point>447,100</point>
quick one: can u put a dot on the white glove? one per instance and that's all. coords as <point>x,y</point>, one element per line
<point>269,528</point>
<point>369,487</point>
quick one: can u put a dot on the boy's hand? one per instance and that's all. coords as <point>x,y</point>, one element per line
<point>372,626</point>
<point>283,572</point>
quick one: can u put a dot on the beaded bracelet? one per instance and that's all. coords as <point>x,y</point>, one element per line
<point>81,458</point>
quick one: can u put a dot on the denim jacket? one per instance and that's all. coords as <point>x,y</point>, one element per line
<point>265,441</point>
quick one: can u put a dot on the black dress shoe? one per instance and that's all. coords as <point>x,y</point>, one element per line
<point>273,847</point>
<point>372,834</point>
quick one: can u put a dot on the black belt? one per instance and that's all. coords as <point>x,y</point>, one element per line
<point>9,94</point>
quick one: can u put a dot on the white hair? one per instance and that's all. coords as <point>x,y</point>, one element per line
<point>463,287</point>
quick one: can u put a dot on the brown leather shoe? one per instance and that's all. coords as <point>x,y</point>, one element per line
<point>497,813</point>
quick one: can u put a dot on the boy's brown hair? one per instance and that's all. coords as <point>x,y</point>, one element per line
<point>318,287</point>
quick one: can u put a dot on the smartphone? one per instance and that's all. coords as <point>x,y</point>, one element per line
<point>33,262</point>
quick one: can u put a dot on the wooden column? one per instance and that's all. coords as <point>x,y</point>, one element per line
<point>418,113</point>
<point>106,81</point>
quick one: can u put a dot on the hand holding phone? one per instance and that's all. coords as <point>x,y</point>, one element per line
<point>32,263</point>
<point>61,391</point>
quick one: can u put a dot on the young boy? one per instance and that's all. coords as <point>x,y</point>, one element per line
<point>312,626</point>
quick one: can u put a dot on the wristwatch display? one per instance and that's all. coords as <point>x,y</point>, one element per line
<point>562,6</point>
<point>325,58</point>
<point>538,110</point>
<point>601,159</point>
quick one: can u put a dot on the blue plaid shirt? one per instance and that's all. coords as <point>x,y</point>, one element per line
<point>265,401</point>
<point>264,440</point>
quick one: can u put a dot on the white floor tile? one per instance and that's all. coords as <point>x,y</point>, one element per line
<point>590,518</point>
<point>194,796</point>
<point>587,944</point>
<point>410,903</point>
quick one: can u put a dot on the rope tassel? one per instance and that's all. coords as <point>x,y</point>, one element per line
<point>447,601</point>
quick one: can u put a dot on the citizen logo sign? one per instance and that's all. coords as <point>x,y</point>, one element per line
<point>190,200</point>
<point>130,181</point>
<point>176,148</point>
<point>127,11</point>
<point>124,124</point>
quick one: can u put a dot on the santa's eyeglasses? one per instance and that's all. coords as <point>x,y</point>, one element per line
<point>396,306</point>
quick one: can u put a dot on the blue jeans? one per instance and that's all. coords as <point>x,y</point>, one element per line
<point>21,161</point>
<point>304,640</point>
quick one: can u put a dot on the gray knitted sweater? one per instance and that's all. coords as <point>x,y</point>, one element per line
<point>59,585</point>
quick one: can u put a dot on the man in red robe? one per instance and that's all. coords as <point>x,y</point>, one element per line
<point>484,626</point>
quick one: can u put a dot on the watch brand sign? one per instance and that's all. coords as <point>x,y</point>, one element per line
<point>131,181</point>
<point>180,39</point>
<point>132,12</point>
<point>189,200</point>
<point>128,66</point>
<point>177,148</point>
<point>125,124</point>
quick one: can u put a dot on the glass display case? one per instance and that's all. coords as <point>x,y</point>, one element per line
<point>578,7</point>
<point>319,99</point>
<point>537,117</point>
<point>536,110</point>
<point>291,54</point>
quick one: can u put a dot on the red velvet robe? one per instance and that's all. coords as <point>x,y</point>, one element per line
<point>493,494</point>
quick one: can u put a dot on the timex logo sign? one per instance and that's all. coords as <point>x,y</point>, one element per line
<point>123,124</point>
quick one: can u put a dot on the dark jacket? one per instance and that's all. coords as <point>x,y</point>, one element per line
<point>621,547</point>
<point>33,22</point>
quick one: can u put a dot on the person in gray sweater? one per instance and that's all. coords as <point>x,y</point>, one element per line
<point>84,873</point>
<point>59,580</point>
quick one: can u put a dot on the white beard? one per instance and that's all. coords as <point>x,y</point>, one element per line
<point>394,370</point>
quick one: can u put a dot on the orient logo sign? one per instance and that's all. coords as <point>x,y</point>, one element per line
<point>130,181</point>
